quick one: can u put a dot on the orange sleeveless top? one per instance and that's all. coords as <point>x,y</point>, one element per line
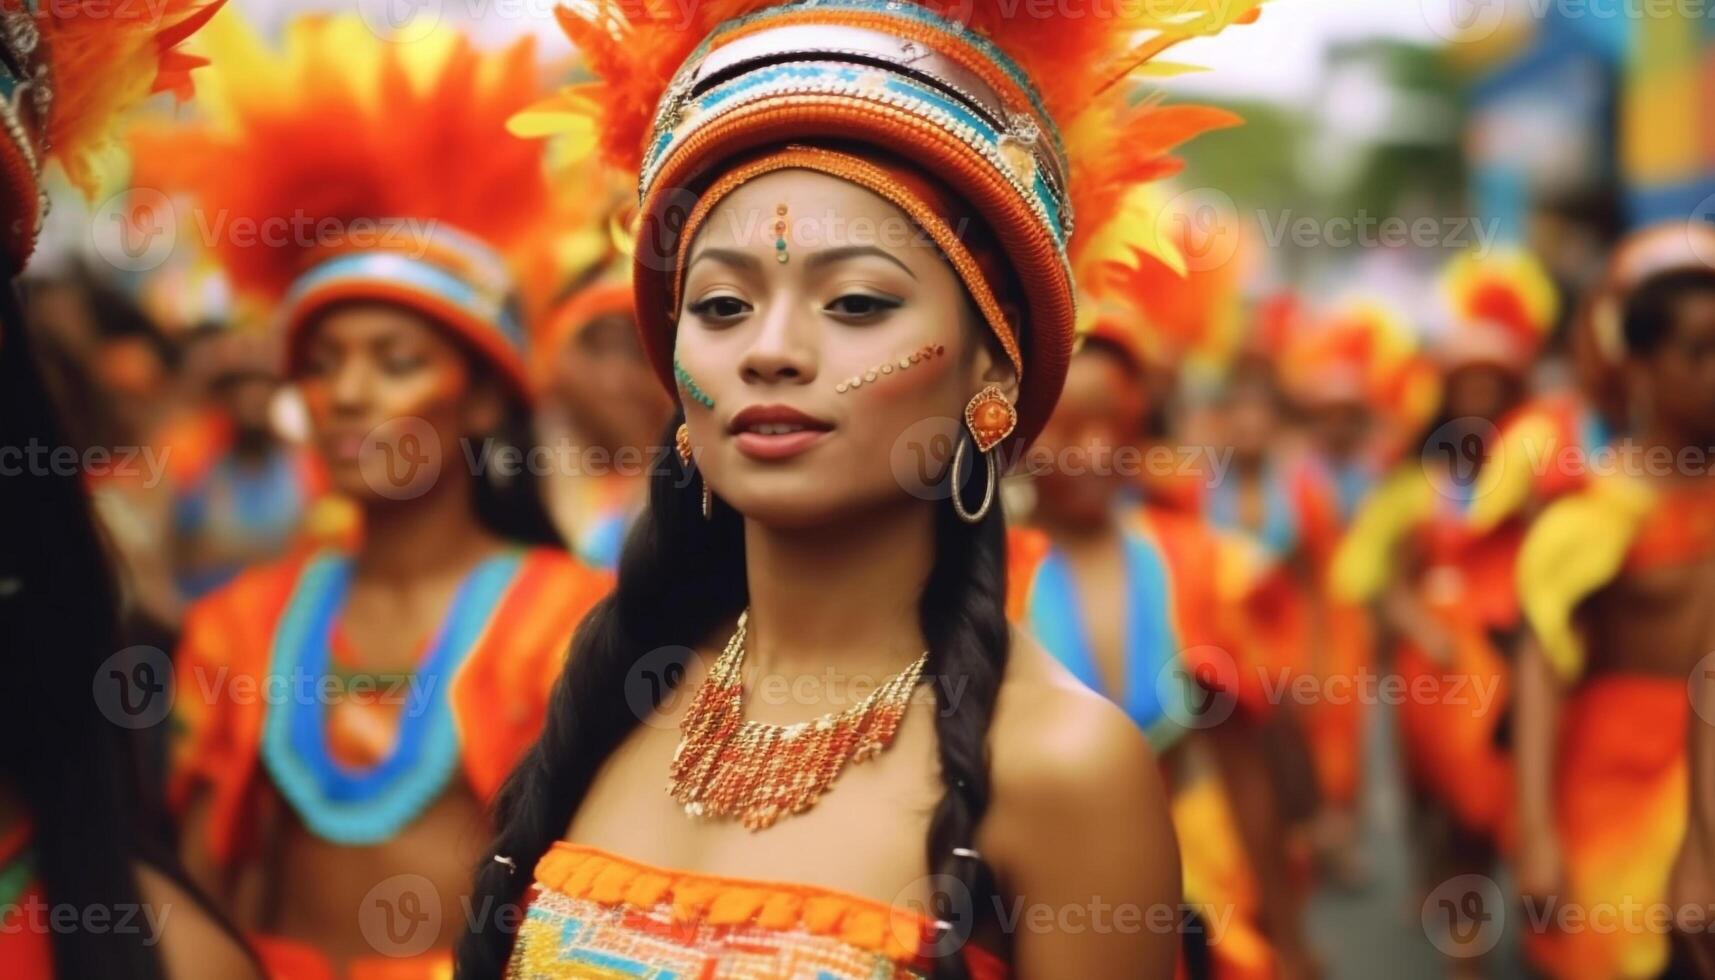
<point>224,668</point>
<point>593,914</point>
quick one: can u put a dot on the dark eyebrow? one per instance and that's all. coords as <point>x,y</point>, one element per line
<point>832,255</point>
<point>727,256</point>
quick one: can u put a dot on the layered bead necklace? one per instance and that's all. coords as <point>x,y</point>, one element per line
<point>726,766</point>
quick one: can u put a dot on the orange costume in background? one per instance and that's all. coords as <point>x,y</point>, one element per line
<point>370,125</point>
<point>1177,664</point>
<point>1451,711</point>
<point>475,704</point>
<point>1362,357</point>
<point>1620,769</point>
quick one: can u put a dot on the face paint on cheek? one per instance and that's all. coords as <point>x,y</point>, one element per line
<point>904,362</point>
<point>318,400</point>
<point>446,386</point>
<point>689,386</point>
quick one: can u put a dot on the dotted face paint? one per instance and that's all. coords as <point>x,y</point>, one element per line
<point>689,386</point>
<point>902,363</point>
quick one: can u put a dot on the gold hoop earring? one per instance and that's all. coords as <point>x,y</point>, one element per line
<point>972,517</point>
<point>989,418</point>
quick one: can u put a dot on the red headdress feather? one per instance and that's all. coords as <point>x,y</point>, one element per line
<point>341,128</point>
<point>635,46</point>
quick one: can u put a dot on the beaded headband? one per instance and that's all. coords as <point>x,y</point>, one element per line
<point>453,279</point>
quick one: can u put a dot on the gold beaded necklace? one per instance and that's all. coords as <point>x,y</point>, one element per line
<point>726,766</point>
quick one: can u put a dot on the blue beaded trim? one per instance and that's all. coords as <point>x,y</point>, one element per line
<point>895,91</point>
<point>904,11</point>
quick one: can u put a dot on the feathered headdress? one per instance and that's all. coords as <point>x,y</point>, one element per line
<point>347,166</point>
<point>69,69</point>
<point>1363,353</point>
<point>1017,111</point>
<point>1503,306</point>
<point>1179,280</point>
<point>574,268</point>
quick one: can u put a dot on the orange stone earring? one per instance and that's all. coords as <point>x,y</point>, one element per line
<point>990,419</point>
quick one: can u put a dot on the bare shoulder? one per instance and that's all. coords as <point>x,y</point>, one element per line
<point>1056,747</point>
<point>191,942</point>
<point>1050,731</point>
<point>1078,825</point>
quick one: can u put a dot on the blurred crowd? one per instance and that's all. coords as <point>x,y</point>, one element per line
<point>1270,520</point>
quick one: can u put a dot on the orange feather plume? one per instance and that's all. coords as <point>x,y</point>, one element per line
<point>342,132</point>
<point>634,46</point>
<point>104,58</point>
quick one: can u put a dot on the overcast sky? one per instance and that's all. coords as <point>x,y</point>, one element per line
<point>1279,57</point>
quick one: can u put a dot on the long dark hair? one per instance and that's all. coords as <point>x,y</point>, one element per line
<point>680,577</point>
<point>75,771</point>
<point>513,507</point>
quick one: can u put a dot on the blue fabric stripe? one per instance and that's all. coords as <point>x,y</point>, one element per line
<point>351,806</point>
<point>1055,618</point>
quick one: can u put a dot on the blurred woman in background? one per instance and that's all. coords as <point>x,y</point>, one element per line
<point>346,714</point>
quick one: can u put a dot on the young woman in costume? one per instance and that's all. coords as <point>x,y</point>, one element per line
<point>346,715</point>
<point>852,270</point>
<point>1617,581</point>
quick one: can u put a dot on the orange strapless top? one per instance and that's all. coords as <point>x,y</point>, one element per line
<point>595,915</point>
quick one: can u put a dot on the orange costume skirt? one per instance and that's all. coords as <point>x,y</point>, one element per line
<point>1447,725</point>
<point>1620,811</point>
